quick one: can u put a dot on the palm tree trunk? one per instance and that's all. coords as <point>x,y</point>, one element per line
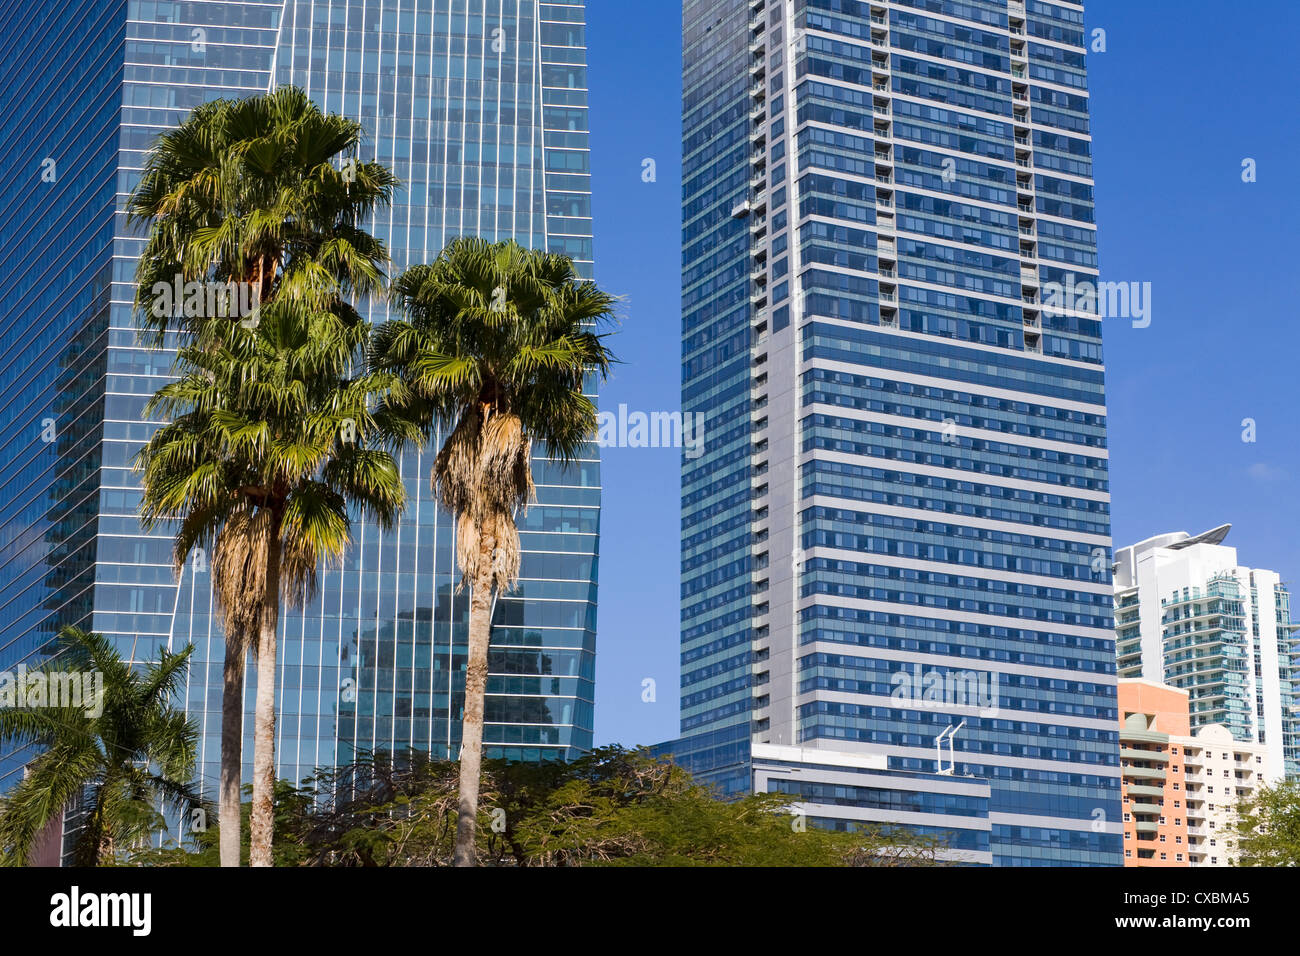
<point>262,822</point>
<point>471,734</point>
<point>232,749</point>
<point>91,841</point>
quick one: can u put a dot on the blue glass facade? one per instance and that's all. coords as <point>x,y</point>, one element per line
<point>905,479</point>
<point>479,106</point>
<point>60,107</point>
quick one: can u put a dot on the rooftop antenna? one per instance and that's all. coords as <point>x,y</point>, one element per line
<point>949,733</point>
<point>938,750</point>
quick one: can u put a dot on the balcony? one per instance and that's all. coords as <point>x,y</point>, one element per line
<point>1143,773</point>
<point>1141,790</point>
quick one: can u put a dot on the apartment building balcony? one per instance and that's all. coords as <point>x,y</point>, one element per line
<point>1143,773</point>
<point>1142,790</point>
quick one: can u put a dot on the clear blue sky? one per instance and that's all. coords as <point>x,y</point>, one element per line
<point>1184,92</point>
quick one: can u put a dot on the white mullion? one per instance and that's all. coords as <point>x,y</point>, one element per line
<point>446,126</point>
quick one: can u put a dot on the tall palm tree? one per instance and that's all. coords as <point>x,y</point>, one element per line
<point>267,443</point>
<point>244,187</point>
<point>127,752</point>
<point>498,345</point>
<point>248,192</point>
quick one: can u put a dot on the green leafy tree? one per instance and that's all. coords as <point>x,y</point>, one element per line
<point>617,807</point>
<point>613,807</point>
<point>122,758</point>
<point>263,192</point>
<point>497,345</point>
<point>1265,828</point>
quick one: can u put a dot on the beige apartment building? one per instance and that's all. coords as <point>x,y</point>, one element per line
<point>1179,788</point>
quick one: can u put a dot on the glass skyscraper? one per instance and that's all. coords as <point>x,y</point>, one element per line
<point>479,106</point>
<point>901,521</point>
